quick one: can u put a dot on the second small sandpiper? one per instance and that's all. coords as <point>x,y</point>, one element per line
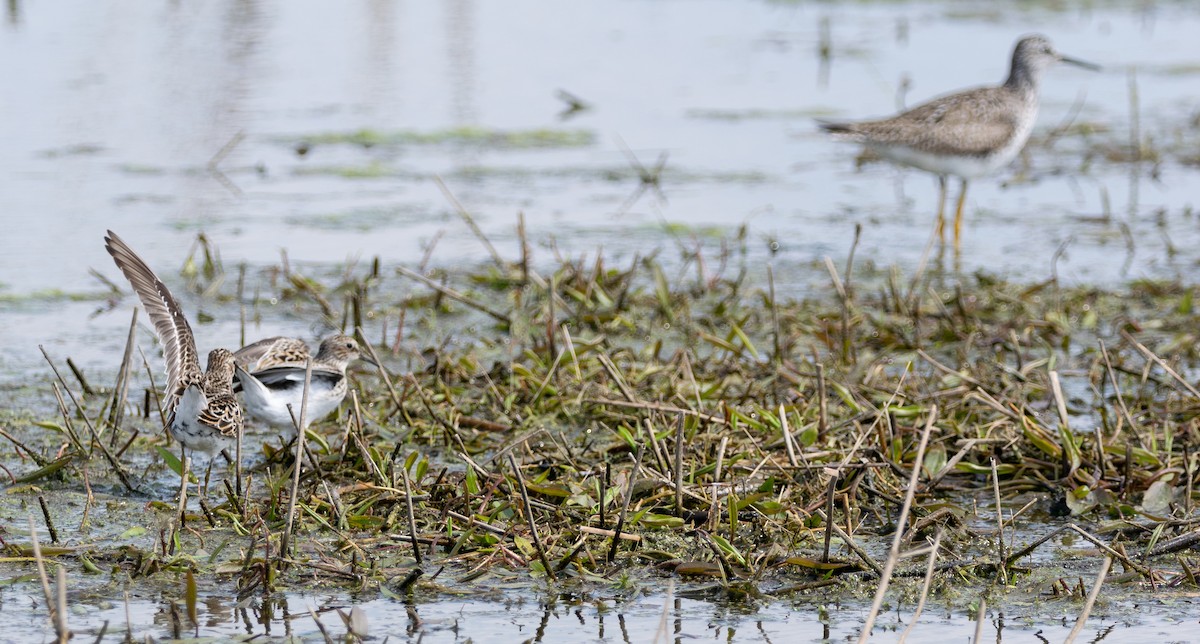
<point>270,375</point>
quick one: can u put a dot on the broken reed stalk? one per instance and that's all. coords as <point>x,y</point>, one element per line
<point>847,294</point>
<point>720,459</point>
<point>659,456</point>
<point>843,298</point>
<point>83,383</point>
<point>383,373</point>
<point>524,246</point>
<point>850,543</point>
<point>533,531</point>
<point>979,619</point>
<point>49,521</point>
<point>901,521</point>
<point>637,461</point>
<point>1126,561</point>
<point>823,405</point>
<point>550,316</point>
<point>663,633</point>
<point>454,295</point>
<point>320,625</point>
<point>1090,602</point>
<point>999,523</point>
<point>237,462</point>
<point>1070,449</point>
<point>619,379</point>
<point>602,494</point>
<point>116,465</point>
<point>1159,361</point>
<point>715,496</point>
<point>67,425</point>
<point>285,541</point>
<point>1112,378</point>
<point>1189,474</point>
<point>241,298</point>
<point>462,212</point>
<point>777,358</point>
<point>601,532</point>
<point>933,552</point>
<point>162,415</point>
<point>788,443</point>
<point>185,466</point>
<point>57,609</point>
<point>121,388</point>
<point>412,521</point>
<point>471,521</point>
<point>1135,117</point>
<point>60,625</point>
<point>833,479</point>
<point>679,465</point>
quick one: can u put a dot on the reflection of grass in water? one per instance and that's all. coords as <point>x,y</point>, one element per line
<point>362,219</point>
<point>372,170</point>
<point>49,295</point>
<point>134,168</point>
<point>616,174</point>
<point>377,170</point>
<point>80,149</point>
<point>484,137</point>
<point>684,229</point>
<point>1177,69</point>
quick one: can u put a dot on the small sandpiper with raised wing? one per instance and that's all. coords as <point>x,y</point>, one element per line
<point>202,412</point>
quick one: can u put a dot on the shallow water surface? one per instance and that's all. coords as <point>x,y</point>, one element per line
<point>281,125</point>
<point>517,616</point>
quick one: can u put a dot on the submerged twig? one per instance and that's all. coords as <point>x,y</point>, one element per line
<point>1090,602</point>
<point>894,552</point>
<point>285,542</point>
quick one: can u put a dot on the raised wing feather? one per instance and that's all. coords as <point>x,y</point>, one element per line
<point>179,346</point>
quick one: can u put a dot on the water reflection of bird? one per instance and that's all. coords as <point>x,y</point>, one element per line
<point>967,134</point>
<point>270,375</point>
<point>202,412</point>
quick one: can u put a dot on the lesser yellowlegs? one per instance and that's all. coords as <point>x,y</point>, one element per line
<point>967,134</point>
<point>202,412</point>
<point>270,376</point>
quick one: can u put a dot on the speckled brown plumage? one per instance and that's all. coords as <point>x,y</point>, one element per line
<point>976,122</point>
<point>202,412</point>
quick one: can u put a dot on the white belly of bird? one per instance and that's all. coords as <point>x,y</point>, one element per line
<point>271,407</point>
<point>187,428</point>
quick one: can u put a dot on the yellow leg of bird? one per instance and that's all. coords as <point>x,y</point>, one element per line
<point>940,229</point>
<point>958,213</point>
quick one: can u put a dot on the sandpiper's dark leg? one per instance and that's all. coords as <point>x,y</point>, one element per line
<point>237,466</point>
<point>958,213</point>
<point>941,212</point>
<point>207,477</point>
<point>184,467</point>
